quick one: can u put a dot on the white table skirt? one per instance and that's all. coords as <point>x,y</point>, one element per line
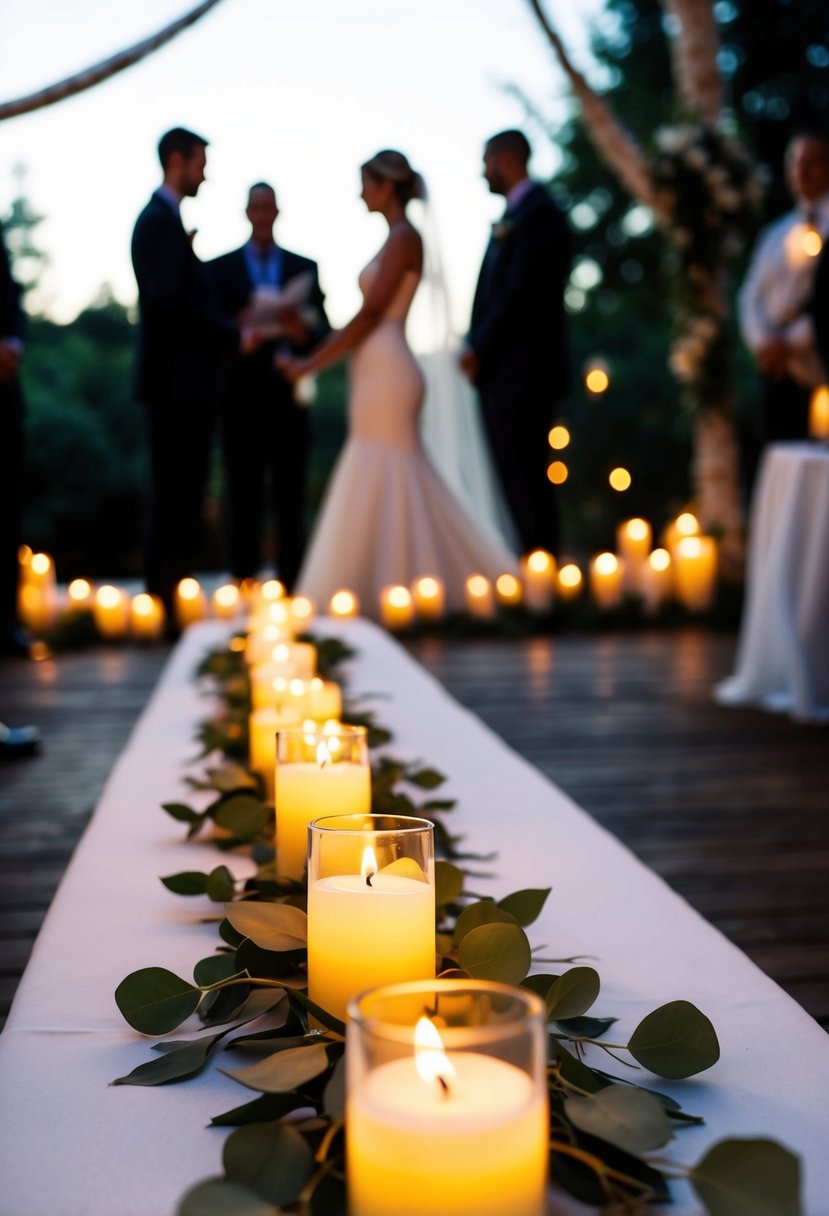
<point>74,1146</point>
<point>783,651</point>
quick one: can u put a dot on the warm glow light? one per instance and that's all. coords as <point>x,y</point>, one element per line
<point>227,596</point>
<point>557,472</point>
<point>570,576</point>
<point>399,597</point>
<point>39,651</point>
<point>607,563</point>
<point>539,561</point>
<point>108,597</point>
<point>323,754</point>
<point>812,242</point>
<point>508,587</point>
<point>343,603</point>
<point>79,590</point>
<point>620,479</point>
<point>24,555</point>
<point>272,590</point>
<point>687,524</point>
<point>596,380</point>
<point>637,529</point>
<point>428,587</point>
<point>559,437</point>
<point>369,863</point>
<point>819,413</point>
<point>689,546</point>
<point>477,584</point>
<point>143,605</point>
<point>302,608</point>
<point>431,1061</point>
<point>41,563</point>
<point>237,645</point>
<point>660,559</point>
<point>189,589</point>
<point>281,653</point>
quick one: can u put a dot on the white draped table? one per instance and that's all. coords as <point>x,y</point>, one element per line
<point>72,1145</point>
<point>783,651</point>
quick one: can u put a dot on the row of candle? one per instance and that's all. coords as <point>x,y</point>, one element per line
<point>371,924</point>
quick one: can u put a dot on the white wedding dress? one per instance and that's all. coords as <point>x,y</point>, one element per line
<point>387,516</point>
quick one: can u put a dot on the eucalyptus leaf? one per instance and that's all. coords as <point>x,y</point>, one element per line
<point>283,1071</point>
<point>677,1040</point>
<point>526,905</point>
<point>496,952</point>
<point>260,1110</point>
<point>270,926</point>
<point>585,1028</point>
<point>221,1197</point>
<point>759,1177</point>
<point>228,934</point>
<point>178,1062</point>
<point>188,882</point>
<point>448,883</point>
<point>220,885</point>
<point>230,776</point>
<point>483,912</point>
<point>155,1001</point>
<point>214,969</point>
<point>632,1119</point>
<point>181,812</point>
<point>244,815</point>
<point>575,1071</point>
<point>426,778</point>
<point>573,993</point>
<point>539,984</point>
<point>333,1098</point>
<point>322,1015</point>
<point>273,1159</point>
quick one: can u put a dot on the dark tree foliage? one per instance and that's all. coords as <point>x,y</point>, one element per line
<point>775,61</point>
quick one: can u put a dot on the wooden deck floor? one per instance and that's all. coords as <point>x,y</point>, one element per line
<point>729,806</point>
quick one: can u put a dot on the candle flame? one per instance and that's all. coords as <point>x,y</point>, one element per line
<point>79,589</point>
<point>323,754</point>
<point>41,563</point>
<point>368,866</point>
<point>637,529</point>
<point>660,559</point>
<point>431,1061</point>
<point>272,590</point>
<point>189,589</point>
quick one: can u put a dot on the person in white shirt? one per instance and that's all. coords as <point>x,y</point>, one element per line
<point>774,301</point>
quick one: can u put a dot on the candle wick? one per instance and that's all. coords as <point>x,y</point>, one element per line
<point>444,1085</point>
<point>369,877</point>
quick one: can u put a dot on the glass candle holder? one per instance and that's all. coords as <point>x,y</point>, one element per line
<point>319,771</point>
<point>371,905</point>
<point>446,1101</point>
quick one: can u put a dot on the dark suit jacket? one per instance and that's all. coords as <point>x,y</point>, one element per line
<point>519,330</point>
<point>182,329</point>
<point>820,304</point>
<point>232,284</point>
<point>11,314</point>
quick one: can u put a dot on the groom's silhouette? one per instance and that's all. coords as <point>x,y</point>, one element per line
<point>265,431</point>
<point>517,351</point>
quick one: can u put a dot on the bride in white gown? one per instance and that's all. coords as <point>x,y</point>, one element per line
<point>387,516</point>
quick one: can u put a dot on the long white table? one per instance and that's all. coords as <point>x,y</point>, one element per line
<point>783,652</point>
<point>74,1146</point>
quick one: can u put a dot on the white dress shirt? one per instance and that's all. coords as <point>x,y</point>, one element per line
<point>778,286</point>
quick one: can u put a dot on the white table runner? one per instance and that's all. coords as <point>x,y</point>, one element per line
<point>74,1146</point>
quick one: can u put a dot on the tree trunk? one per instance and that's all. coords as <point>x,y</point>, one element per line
<point>716,479</point>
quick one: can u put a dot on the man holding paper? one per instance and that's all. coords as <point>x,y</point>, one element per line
<point>266,432</point>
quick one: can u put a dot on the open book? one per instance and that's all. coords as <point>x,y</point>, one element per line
<point>267,302</point>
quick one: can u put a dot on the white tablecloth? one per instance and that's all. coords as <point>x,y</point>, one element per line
<point>783,652</point>
<point>74,1146</point>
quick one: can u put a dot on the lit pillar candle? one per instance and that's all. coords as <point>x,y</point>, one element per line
<point>262,727</point>
<point>302,612</point>
<point>269,592</point>
<point>317,773</point>
<point>225,602</point>
<point>819,413</point>
<point>190,602</point>
<point>111,612</point>
<point>325,700</point>
<point>657,582</point>
<point>633,542</point>
<point>79,595</point>
<point>685,524</point>
<point>508,590</point>
<point>539,574</point>
<point>371,922</point>
<point>480,597</point>
<point>447,1121</point>
<point>429,597</point>
<point>261,641</point>
<point>37,593</point>
<point>606,580</point>
<point>146,617</point>
<point>287,661</point>
<point>695,572</point>
<point>344,604</point>
<point>396,608</point>
<point>570,581</point>
<point>280,693</point>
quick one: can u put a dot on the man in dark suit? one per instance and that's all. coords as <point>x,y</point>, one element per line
<point>182,332</point>
<point>819,307</point>
<point>13,639</point>
<point>517,352</point>
<point>266,432</point>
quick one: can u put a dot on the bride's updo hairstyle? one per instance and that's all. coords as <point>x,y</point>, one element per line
<point>394,167</point>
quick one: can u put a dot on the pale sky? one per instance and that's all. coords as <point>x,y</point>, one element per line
<point>298,92</point>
